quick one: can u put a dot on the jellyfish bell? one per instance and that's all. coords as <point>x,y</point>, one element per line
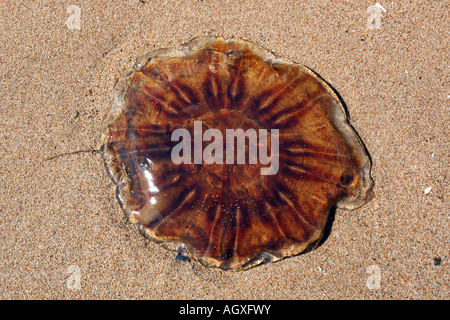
<point>214,200</point>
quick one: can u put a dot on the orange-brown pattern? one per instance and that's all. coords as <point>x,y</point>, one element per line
<point>228,215</point>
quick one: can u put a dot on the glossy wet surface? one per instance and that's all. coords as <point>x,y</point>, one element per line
<point>229,215</point>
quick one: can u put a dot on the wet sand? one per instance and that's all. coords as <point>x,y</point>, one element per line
<point>63,235</point>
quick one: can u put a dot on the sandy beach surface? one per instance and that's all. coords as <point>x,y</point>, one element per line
<point>63,235</point>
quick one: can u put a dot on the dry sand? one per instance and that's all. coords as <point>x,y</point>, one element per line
<point>60,219</point>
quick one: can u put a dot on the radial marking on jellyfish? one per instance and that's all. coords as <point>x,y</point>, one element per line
<point>228,215</point>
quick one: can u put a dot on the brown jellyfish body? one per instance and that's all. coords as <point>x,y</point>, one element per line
<point>229,214</point>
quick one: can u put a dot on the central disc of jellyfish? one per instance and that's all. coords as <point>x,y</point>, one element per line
<point>229,214</point>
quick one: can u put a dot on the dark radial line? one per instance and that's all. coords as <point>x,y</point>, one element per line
<point>142,151</point>
<point>269,102</point>
<point>300,172</point>
<point>212,91</point>
<point>218,209</point>
<point>236,233</point>
<point>299,165</point>
<point>303,171</point>
<point>287,114</point>
<point>236,86</point>
<point>312,154</point>
<point>287,143</point>
<point>288,111</point>
<point>181,95</point>
<point>149,96</point>
<point>169,181</point>
<point>175,109</point>
<point>281,192</point>
<point>169,109</point>
<point>161,131</point>
<point>290,204</point>
<point>228,224</point>
<point>275,220</point>
<point>186,199</point>
<point>160,78</point>
<point>153,77</point>
<point>318,161</point>
<point>242,224</point>
<point>184,95</point>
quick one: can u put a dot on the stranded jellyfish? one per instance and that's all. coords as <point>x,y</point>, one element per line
<point>231,153</point>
